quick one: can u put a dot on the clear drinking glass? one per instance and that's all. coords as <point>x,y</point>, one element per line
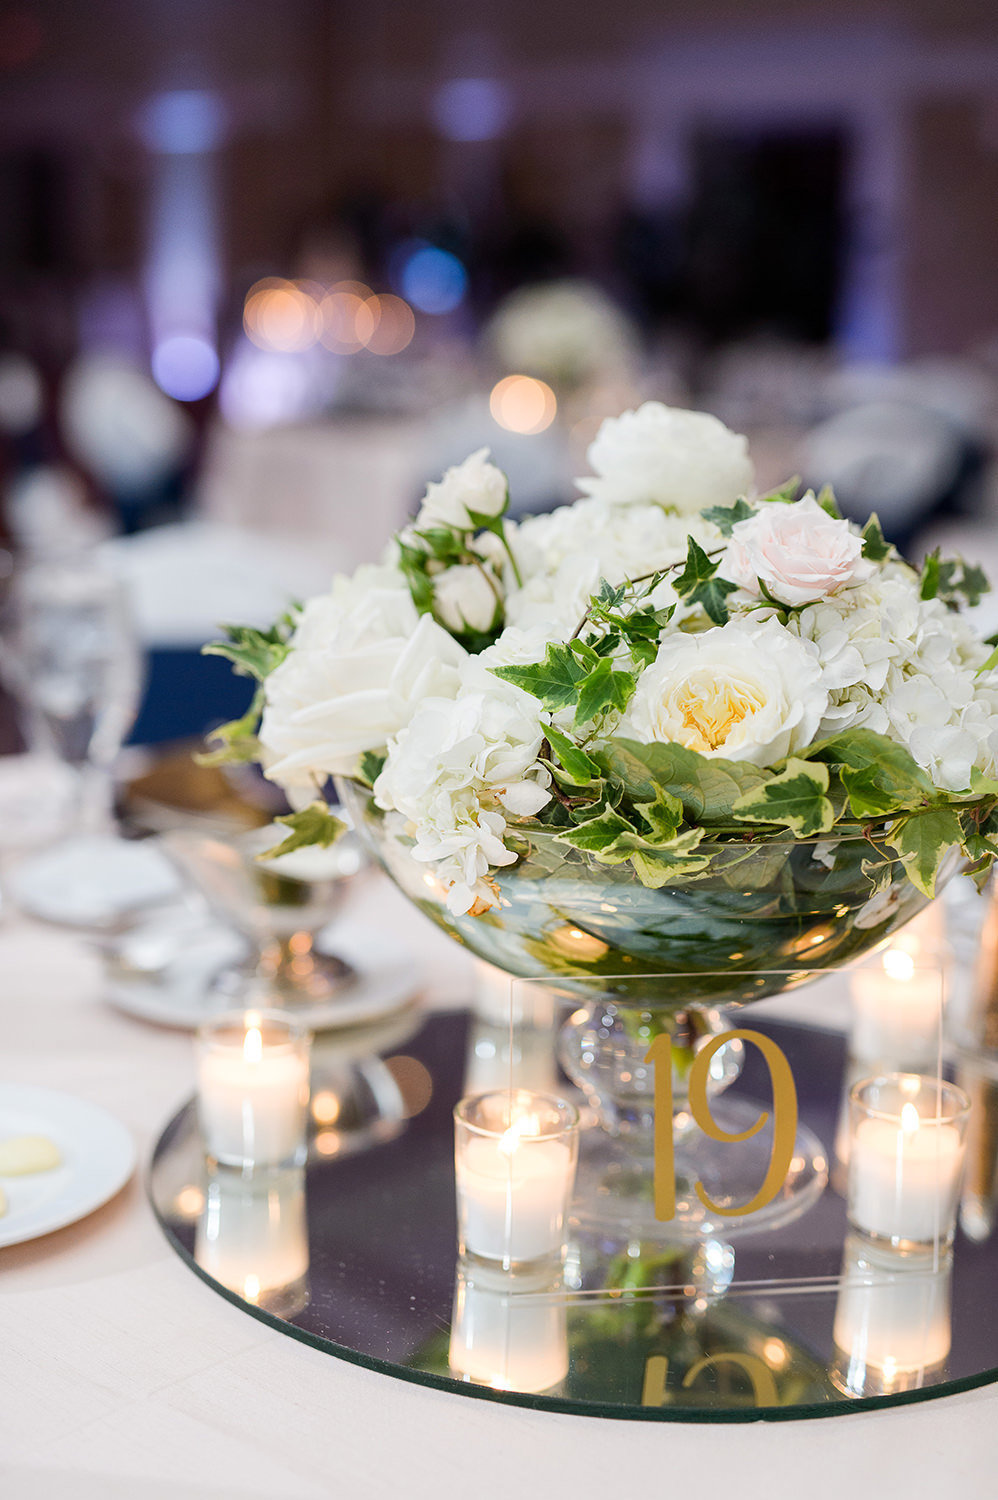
<point>72,661</point>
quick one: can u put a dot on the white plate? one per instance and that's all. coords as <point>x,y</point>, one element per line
<point>98,1157</point>
<point>183,952</point>
<point>93,880</point>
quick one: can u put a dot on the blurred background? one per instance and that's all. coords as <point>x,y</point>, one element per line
<point>265,269</point>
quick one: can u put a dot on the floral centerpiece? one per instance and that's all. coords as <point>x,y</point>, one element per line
<point>672,727</point>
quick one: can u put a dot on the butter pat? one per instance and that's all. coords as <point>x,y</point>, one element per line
<point>28,1153</point>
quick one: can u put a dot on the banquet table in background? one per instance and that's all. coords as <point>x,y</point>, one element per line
<point>124,1377</point>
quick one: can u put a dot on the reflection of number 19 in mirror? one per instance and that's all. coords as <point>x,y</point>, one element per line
<point>784,1120</point>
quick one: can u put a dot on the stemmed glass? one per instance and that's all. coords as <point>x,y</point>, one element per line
<point>72,661</point>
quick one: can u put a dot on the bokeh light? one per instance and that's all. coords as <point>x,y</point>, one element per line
<point>22,397</point>
<point>433,280</point>
<point>522,404</point>
<point>348,320</point>
<point>262,390</point>
<point>282,316</point>
<point>472,109</point>
<point>185,366</point>
<point>394,324</point>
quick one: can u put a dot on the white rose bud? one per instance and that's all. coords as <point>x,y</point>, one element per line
<point>683,460</point>
<point>474,486</point>
<point>799,552</point>
<point>465,599</point>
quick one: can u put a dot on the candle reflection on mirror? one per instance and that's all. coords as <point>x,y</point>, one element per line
<point>508,1331</point>
<point>252,1238</point>
<point>892,1328</point>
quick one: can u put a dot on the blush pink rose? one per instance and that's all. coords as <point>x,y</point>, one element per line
<point>798,552</point>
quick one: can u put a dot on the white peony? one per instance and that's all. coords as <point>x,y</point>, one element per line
<point>465,598</point>
<point>745,691</point>
<point>475,485</point>
<point>361,660</point>
<point>683,460</point>
<point>798,552</point>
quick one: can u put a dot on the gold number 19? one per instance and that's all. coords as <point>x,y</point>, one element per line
<point>784,1120</point>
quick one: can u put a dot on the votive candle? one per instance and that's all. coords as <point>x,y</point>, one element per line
<point>892,1318</point>
<point>515,1157</point>
<point>508,1331</point>
<point>906,1149</point>
<point>253,1086</point>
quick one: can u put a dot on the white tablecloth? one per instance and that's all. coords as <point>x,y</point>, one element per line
<point>124,1377</point>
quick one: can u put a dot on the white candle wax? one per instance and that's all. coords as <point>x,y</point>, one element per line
<point>512,1195</point>
<point>508,1340</point>
<point>904,1177</point>
<point>897,1012</point>
<point>251,1235</point>
<point>252,1097</point>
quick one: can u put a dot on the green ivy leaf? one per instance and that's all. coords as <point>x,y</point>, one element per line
<point>655,865</point>
<point>922,839</point>
<point>826,499</point>
<point>786,494</point>
<point>875,545</point>
<point>707,786</point>
<point>253,653</point>
<point>555,681</point>
<point>237,741</point>
<point>315,824</point>
<point>726,517</point>
<point>603,688</point>
<point>698,583</point>
<point>370,766</point>
<point>879,776</point>
<point>579,769</point>
<point>663,815</point>
<point>596,834</point>
<point>795,799</point>
<point>413,564</point>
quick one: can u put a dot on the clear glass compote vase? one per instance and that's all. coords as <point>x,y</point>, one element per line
<point>634,964</point>
<point>279,906</point>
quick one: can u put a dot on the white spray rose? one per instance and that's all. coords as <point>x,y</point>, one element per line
<point>465,598</point>
<point>798,552</point>
<point>746,691</point>
<point>476,485</point>
<point>361,660</point>
<point>684,460</point>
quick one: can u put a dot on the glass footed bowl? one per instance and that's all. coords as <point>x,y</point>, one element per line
<point>781,905</point>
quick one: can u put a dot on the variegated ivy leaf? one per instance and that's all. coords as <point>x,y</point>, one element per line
<point>878,775</point>
<point>655,865</point>
<point>236,742</point>
<point>707,786</point>
<point>726,517</point>
<point>556,680</point>
<point>795,799</point>
<point>253,653</point>
<point>315,824</point>
<point>576,765</point>
<point>875,546</point>
<point>923,839</point>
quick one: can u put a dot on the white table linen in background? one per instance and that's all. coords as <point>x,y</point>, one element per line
<point>124,1377</point>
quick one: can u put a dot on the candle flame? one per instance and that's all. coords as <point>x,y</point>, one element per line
<point>909,1118</point>
<point>251,1288</point>
<point>898,964</point>
<point>253,1045</point>
<point>526,1124</point>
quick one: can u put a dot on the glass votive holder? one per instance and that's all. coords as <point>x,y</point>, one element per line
<point>515,1153</point>
<point>907,1138</point>
<point>892,1329</point>
<point>253,1088</point>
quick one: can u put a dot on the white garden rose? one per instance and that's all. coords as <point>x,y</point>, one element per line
<point>683,460</point>
<point>361,660</point>
<point>798,552</point>
<point>475,485</point>
<point>465,598</point>
<point>745,691</point>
